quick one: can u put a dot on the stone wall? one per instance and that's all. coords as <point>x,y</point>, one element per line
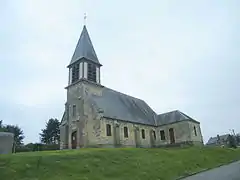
<point>198,138</point>
<point>180,129</point>
<point>90,125</point>
<point>183,132</point>
<point>86,121</point>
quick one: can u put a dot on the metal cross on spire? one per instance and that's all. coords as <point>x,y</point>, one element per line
<point>85,18</point>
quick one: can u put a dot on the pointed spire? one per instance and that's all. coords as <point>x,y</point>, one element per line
<point>84,48</point>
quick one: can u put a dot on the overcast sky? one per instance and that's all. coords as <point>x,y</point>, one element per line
<point>173,54</point>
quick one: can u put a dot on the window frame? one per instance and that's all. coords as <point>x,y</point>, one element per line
<point>108,130</point>
<point>74,110</point>
<point>154,134</point>
<point>143,134</point>
<point>162,135</point>
<point>195,130</point>
<point>125,131</point>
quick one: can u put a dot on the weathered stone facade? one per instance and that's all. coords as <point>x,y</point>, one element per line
<point>90,125</point>
<point>96,116</point>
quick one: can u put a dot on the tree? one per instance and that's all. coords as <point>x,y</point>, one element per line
<point>18,133</point>
<point>51,134</point>
<point>238,139</point>
<point>1,126</point>
<point>232,141</point>
<point>16,130</point>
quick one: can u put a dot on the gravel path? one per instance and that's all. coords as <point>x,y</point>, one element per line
<point>226,172</point>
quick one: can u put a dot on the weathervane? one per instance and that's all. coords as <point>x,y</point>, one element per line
<point>85,18</point>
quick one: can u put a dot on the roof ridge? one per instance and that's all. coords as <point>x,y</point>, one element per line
<point>168,112</point>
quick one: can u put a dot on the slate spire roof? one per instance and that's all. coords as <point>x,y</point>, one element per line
<point>84,48</point>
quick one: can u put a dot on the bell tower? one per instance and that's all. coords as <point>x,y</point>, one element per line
<point>84,64</point>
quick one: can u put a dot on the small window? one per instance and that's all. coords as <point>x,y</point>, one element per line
<point>195,131</point>
<point>143,133</point>
<point>125,132</point>
<point>162,134</point>
<point>109,133</point>
<point>154,135</point>
<point>74,111</point>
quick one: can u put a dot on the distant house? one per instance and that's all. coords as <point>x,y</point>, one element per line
<point>218,140</point>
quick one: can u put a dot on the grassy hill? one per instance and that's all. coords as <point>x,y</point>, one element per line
<point>114,164</point>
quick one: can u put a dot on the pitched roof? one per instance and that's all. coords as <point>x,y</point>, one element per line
<point>119,106</point>
<point>123,107</point>
<point>214,140</point>
<point>173,117</point>
<point>84,48</point>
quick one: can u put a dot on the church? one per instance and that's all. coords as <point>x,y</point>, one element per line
<point>97,116</point>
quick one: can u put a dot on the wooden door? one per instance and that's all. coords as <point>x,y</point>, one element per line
<point>171,136</point>
<point>74,140</point>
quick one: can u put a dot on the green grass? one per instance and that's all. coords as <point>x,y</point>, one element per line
<point>114,164</point>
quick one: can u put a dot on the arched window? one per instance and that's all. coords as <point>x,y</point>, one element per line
<point>125,132</point>
<point>154,135</point>
<point>109,133</point>
<point>162,134</point>
<point>195,131</point>
<point>74,110</point>
<point>143,133</point>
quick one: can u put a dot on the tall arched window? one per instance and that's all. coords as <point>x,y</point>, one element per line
<point>154,135</point>
<point>109,133</point>
<point>162,134</point>
<point>143,133</point>
<point>125,129</point>
<point>195,131</point>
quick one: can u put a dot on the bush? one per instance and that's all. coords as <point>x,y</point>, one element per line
<point>37,147</point>
<point>22,149</point>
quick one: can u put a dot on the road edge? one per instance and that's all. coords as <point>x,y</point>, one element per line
<point>204,170</point>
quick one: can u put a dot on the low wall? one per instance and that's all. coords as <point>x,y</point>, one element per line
<point>6,142</point>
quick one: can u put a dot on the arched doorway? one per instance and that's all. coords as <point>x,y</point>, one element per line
<point>137,137</point>
<point>116,135</point>
<point>74,140</point>
<point>172,136</point>
<point>152,135</point>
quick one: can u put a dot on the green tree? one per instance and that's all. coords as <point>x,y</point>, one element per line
<point>1,126</point>
<point>238,139</point>
<point>51,133</point>
<point>18,133</point>
<point>232,141</point>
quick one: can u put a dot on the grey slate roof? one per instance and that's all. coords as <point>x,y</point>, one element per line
<point>214,140</point>
<point>123,107</point>
<point>84,48</point>
<point>120,106</point>
<point>173,117</point>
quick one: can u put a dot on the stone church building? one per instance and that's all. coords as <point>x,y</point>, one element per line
<point>97,116</point>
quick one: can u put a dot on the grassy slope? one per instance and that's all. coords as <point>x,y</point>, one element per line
<point>116,164</point>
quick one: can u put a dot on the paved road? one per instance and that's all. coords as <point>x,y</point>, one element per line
<point>226,172</point>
